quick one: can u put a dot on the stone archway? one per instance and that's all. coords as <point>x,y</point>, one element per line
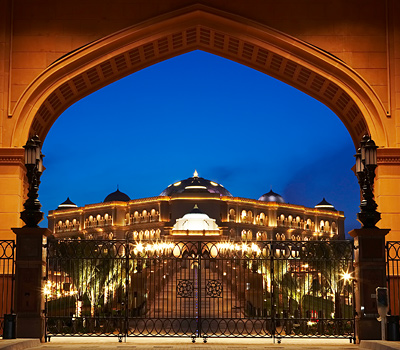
<point>292,61</point>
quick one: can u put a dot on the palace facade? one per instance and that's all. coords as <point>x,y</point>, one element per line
<point>196,208</point>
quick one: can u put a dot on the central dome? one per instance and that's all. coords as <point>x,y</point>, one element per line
<point>195,220</point>
<point>195,184</point>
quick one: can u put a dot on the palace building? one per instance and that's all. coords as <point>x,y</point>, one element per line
<point>196,209</point>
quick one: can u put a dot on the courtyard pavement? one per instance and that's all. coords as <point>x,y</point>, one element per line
<point>87,343</point>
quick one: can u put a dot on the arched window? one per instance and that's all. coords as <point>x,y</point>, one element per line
<point>262,218</point>
<point>232,215</point>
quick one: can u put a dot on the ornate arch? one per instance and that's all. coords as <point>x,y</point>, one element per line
<point>288,59</point>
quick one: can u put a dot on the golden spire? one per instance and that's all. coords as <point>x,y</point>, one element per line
<point>195,174</point>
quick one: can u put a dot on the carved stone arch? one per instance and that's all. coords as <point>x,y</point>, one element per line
<point>281,56</point>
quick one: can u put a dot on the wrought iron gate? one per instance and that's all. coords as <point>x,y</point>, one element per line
<point>7,258</point>
<point>200,289</point>
<point>392,275</point>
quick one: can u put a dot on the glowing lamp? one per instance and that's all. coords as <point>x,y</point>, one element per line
<point>34,169</point>
<point>366,163</point>
<point>370,153</point>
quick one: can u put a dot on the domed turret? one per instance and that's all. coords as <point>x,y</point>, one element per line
<point>325,205</point>
<point>68,204</point>
<point>117,196</point>
<point>271,197</point>
<point>195,184</point>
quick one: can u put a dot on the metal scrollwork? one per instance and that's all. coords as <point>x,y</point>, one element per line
<point>214,289</point>
<point>184,288</point>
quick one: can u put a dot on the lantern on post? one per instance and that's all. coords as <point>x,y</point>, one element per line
<point>34,169</point>
<point>366,163</point>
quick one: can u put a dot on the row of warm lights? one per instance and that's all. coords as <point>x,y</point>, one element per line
<point>243,247</point>
<point>158,247</point>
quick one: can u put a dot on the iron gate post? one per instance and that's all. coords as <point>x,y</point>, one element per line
<point>29,281</point>
<point>370,273</point>
<point>199,286</point>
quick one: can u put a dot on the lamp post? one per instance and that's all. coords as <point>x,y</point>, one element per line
<point>366,163</point>
<point>34,168</point>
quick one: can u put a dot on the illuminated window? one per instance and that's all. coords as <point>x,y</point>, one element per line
<point>232,215</point>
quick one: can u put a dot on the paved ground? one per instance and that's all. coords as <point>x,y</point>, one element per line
<point>75,343</point>
<point>81,343</point>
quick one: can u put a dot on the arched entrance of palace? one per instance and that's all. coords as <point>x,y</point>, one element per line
<point>288,59</point>
<point>301,65</point>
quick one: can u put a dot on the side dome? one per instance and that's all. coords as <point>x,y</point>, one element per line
<point>117,196</point>
<point>271,197</point>
<point>196,184</point>
<point>68,204</point>
<point>325,205</point>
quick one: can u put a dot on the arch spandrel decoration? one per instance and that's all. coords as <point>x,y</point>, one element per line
<point>298,64</point>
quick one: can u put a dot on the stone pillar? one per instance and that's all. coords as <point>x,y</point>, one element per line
<point>30,271</point>
<point>370,272</point>
<point>387,190</point>
<point>12,189</point>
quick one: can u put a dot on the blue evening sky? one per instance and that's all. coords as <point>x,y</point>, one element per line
<point>235,125</point>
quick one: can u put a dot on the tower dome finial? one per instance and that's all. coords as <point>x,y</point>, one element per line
<point>195,174</point>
